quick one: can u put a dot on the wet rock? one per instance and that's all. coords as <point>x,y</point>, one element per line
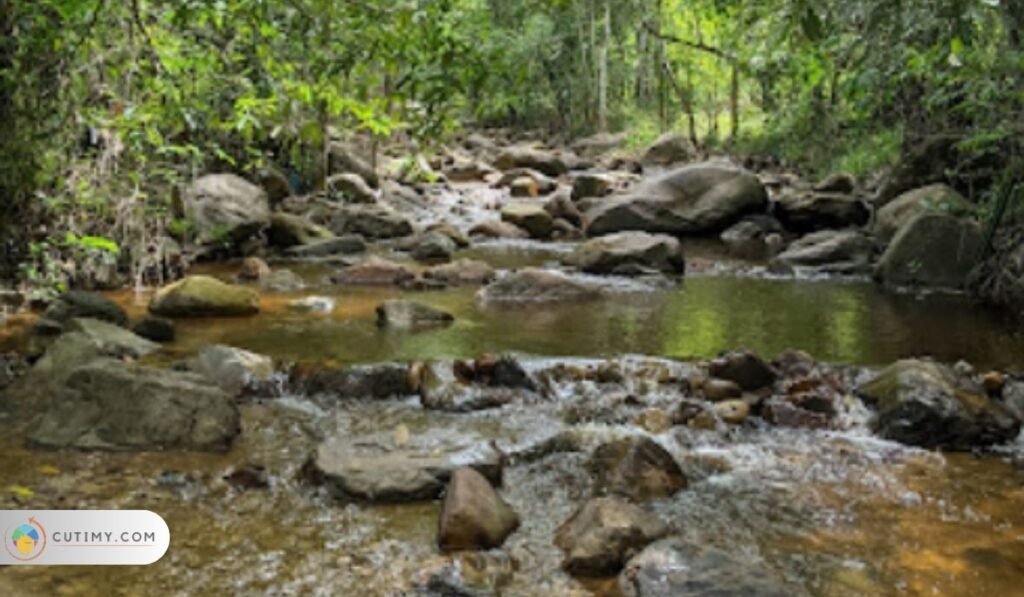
<point>409,473</point>
<point>535,159</point>
<point>698,198</point>
<point>804,212</point>
<point>374,271</point>
<point>605,254</point>
<point>248,477</point>
<point>840,182</point>
<point>604,534</point>
<point>525,182</point>
<point>531,217</point>
<point>77,303</point>
<point>313,304</point>
<point>560,206</point>
<point>654,420</point>
<point>993,382</point>
<point>411,315</point>
<point>224,208</point>
<point>449,230</point>
<point>599,144</point>
<point>938,198</point>
<point>360,382</point>
<point>287,230</point>
<point>785,414</point>
<point>233,369</point>
<point>748,239</point>
<point>112,339</point>
<point>466,170</point>
<point>496,229</point>
<point>746,369</point>
<point>157,329</point>
<point>538,286</point>
<point>921,403</point>
<point>202,296</point>
<point>675,567</point>
<point>371,221</point>
<point>343,159</point>
<point>108,405</point>
<point>636,468</point>
<point>253,268</point>
<point>474,516</point>
<point>504,372</point>
<point>282,280</point>
<point>433,247</point>
<point>592,184</point>
<point>668,149</point>
<point>341,245</point>
<point>462,272</point>
<point>350,187</point>
<point>451,389</point>
<point>76,349</point>
<point>840,252</point>
<point>719,390</point>
<point>933,250</point>
<point>47,327</point>
<point>732,412</point>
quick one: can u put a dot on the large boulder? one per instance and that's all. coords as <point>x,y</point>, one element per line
<point>233,369</point>
<point>118,339</point>
<point>606,254</point>
<point>744,368</point>
<point>810,211</point>
<point>350,187</point>
<point>604,534</point>
<point>224,208</point>
<point>363,382</point>
<point>287,230</point>
<point>922,403</point>
<point>108,405</point>
<point>636,468</point>
<point>932,250</point>
<point>203,296</point>
<point>433,247</point>
<point>668,149</point>
<point>77,303</point>
<point>939,198</point>
<point>343,160</point>
<point>473,515</point>
<point>533,285</point>
<point>355,471</point>
<point>531,217</point>
<point>674,567</point>
<point>371,221</point>
<point>830,251</point>
<point>374,271</point>
<point>93,340</point>
<point>411,315</point>
<point>528,157</point>
<point>498,229</point>
<point>694,199</point>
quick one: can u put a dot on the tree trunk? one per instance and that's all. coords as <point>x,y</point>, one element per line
<point>734,103</point>
<point>602,91</point>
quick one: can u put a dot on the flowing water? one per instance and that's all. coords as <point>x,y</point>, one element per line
<point>832,513</point>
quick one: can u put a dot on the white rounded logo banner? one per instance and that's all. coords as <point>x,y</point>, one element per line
<point>82,537</point>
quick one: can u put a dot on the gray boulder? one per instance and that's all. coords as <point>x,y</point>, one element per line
<point>937,198</point>
<point>933,250</point>
<point>668,149</point>
<point>830,251</point>
<point>203,296</point>
<point>604,534</point>
<point>411,315</point>
<point>473,515</point>
<point>606,254</point>
<point>538,286</point>
<point>224,208</point>
<point>371,221</point>
<point>233,369</point>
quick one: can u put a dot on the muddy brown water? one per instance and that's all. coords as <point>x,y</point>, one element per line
<point>832,514</point>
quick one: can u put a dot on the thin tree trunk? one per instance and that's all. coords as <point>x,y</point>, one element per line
<point>734,103</point>
<point>602,101</point>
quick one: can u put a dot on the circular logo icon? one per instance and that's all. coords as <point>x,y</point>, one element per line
<point>26,541</point>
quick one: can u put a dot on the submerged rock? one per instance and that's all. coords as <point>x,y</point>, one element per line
<point>313,304</point>
<point>636,468</point>
<point>606,254</point>
<point>921,403</point>
<point>374,271</point>
<point>282,280</point>
<point>108,405</point>
<point>341,245</point>
<point>156,329</point>
<point>675,567</point>
<point>828,251</point>
<point>693,199</point>
<point>462,272</point>
<point>539,286</point>
<point>473,515</point>
<point>749,238</point>
<point>411,315</point>
<point>77,303</point>
<point>202,296</point>
<point>604,534</point>
<point>746,369</point>
<point>932,250</point>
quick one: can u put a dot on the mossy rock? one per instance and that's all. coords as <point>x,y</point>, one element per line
<point>203,296</point>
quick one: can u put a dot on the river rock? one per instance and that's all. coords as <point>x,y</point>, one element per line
<point>202,296</point>
<point>156,329</point>
<point>433,247</point>
<point>462,272</point>
<point>282,280</point>
<point>313,304</point>
<point>75,349</point>
<point>536,183</point>
<point>561,206</point>
<point>528,157</point>
<point>473,515</point>
<point>675,567</point>
<point>746,369</point>
<point>233,369</point>
<point>411,315</point>
<point>77,303</point>
<point>287,230</point>
<point>828,251</point>
<point>343,159</point>
<point>922,403</point>
<point>839,182</point>
<point>409,473</point>
<point>810,211</point>
<point>467,170</point>
<point>748,238</point>
<point>111,338</point>
<point>370,221</point>
<point>719,390</point>
<point>668,149</point>
<point>497,229</point>
<point>253,268</point>
<point>636,468</point>
<point>604,534</point>
<point>732,412</point>
<point>341,245</point>
<point>226,208</point>
<point>694,199</point>
<point>275,184</point>
<point>533,285</point>
<point>350,187</point>
<point>531,217</point>
<point>940,198</point>
<point>933,250</point>
<point>599,144</point>
<point>592,184</point>
<point>376,382</point>
<point>108,405</point>
<point>606,254</point>
<point>374,271</point>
